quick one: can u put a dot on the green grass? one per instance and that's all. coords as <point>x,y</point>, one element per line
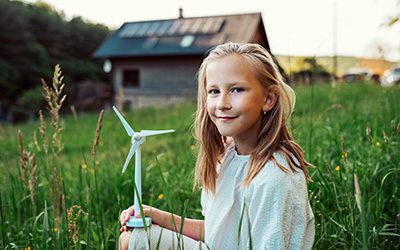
<point>323,115</point>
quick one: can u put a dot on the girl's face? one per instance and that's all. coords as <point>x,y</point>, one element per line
<point>235,99</point>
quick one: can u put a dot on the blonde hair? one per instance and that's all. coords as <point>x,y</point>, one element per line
<point>273,135</point>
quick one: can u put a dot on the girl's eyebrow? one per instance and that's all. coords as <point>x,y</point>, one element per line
<point>229,85</point>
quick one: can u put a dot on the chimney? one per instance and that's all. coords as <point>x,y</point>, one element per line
<point>180,13</point>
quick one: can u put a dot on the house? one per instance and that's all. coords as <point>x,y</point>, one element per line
<point>156,62</point>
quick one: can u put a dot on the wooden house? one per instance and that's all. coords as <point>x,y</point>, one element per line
<point>156,62</point>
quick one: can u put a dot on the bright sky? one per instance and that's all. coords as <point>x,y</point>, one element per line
<point>294,27</point>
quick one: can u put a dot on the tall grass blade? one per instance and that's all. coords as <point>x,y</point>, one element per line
<point>66,215</point>
<point>45,224</point>
<point>140,206</point>
<point>240,223</point>
<point>3,233</point>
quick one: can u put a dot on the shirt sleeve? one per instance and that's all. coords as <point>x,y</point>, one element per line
<point>276,213</point>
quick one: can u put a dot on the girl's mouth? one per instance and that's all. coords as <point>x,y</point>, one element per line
<point>225,118</point>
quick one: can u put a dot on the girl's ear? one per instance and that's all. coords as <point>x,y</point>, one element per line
<point>270,101</point>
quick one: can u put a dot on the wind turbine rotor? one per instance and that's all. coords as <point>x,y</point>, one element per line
<point>128,128</point>
<point>145,133</point>
<point>132,151</point>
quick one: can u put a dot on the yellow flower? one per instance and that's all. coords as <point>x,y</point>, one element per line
<point>378,144</point>
<point>97,162</point>
<point>55,229</point>
<point>46,183</point>
<point>101,143</point>
<point>337,168</point>
<point>160,196</point>
<point>84,166</point>
<point>192,147</point>
<point>345,155</point>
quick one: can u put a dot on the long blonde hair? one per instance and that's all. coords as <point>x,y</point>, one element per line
<point>273,134</point>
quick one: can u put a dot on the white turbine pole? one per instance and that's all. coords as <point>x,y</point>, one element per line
<point>138,179</point>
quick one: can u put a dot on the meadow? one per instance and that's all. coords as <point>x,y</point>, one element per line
<point>61,185</point>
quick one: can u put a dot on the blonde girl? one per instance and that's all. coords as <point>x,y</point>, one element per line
<point>253,176</point>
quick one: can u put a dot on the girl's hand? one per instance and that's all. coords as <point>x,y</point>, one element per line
<point>124,217</point>
<point>157,216</point>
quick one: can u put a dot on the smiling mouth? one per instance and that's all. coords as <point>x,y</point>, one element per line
<point>225,118</point>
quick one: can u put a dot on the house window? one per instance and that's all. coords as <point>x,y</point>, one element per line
<point>131,78</point>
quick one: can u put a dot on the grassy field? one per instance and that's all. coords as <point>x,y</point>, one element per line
<point>346,131</point>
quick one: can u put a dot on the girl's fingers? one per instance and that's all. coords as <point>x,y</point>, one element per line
<point>147,211</point>
<point>125,215</point>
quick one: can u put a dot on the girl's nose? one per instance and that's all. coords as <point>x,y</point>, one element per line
<point>224,102</point>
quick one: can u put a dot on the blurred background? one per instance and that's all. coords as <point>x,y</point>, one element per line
<point>328,41</point>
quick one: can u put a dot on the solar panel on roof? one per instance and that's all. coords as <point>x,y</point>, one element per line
<point>142,30</point>
<point>185,26</point>
<point>164,27</point>
<point>153,28</point>
<point>172,27</point>
<point>196,26</point>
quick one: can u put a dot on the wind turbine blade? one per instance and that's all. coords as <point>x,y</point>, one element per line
<point>132,151</point>
<point>145,133</point>
<point>128,128</point>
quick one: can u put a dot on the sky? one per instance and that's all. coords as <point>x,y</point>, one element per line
<point>293,27</point>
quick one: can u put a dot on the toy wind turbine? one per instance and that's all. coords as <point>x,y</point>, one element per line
<point>137,141</point>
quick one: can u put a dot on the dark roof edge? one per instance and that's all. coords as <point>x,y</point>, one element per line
<point>171,19</point>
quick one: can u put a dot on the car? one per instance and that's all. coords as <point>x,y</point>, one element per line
<point>392,77</point>
<point>357,75</point>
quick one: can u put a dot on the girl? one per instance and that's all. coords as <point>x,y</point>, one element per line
<point>253,176</point>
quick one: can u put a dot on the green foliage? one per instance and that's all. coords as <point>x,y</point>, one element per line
<point>33,37</point>
<point>168,163</point>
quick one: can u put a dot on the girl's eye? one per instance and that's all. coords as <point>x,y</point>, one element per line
<point>213,92</point>
<point>237,90</point>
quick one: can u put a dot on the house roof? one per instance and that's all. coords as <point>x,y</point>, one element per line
<point>182,36</point>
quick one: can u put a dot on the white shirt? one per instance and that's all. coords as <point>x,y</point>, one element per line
<point>277,211</point>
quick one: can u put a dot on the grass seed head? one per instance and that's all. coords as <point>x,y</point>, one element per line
<point>385,137</point>
<point>35,141</point>
<point>97,134</point>
<point>398,128</point>
<point>73,111</point>
<point>392,125</point>
<point>357,193</point>
<point>369,134</point>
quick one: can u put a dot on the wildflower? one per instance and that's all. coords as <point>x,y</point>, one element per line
<point>46,183</point>
<point>160,196</point>
<point>97,162</point>
<point>55,229</point>
<point>337,168</point>
<point>101,144</point>
<point>192,147</point>
<point>378,144</point>
<point>345,155</point>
